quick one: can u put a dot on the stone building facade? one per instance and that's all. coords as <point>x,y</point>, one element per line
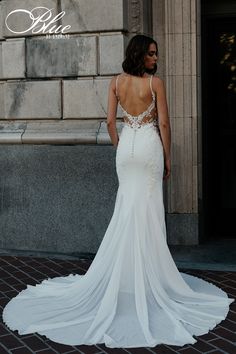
<point>58,178</point>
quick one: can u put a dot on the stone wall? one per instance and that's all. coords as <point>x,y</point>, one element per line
<point>56,198</point>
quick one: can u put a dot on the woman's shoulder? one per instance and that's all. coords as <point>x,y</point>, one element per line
<point>113,79</point>
<point>112,82</point>
<point>158,84</point>
<point>157,80</point>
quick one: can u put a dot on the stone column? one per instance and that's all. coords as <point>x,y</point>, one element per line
<point>176,28</point>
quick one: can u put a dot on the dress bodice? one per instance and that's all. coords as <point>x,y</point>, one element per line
<point>137,121</point>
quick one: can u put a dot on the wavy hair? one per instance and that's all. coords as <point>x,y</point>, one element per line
<point>134,55</point>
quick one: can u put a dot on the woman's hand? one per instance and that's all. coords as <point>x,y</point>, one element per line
<point>117,141</point>
<point>166,169</point>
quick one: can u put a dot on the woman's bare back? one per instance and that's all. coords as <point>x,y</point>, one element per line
<point>136,96</point>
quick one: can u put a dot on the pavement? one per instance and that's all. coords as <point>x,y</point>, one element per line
<point>214,254</point>
<point>16,271</point>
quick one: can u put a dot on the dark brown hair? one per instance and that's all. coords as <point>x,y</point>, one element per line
<point>135,52</point>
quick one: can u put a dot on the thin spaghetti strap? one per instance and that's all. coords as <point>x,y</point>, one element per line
<point>117,86</point>
<point>153,95</point>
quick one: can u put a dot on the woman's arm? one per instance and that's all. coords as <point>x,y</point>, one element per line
<point>111,112</point>
<point>164,121</point>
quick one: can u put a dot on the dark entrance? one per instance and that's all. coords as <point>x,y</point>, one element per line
<point>219,125</point>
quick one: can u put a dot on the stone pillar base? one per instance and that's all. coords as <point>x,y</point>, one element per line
<point>182,229</point>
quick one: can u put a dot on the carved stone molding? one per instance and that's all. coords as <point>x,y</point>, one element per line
<point>134,15</point>
<point>140,16</point>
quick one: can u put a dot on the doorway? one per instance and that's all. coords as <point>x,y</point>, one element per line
<point>219,126</point>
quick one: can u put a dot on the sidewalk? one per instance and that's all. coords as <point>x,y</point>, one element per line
<point>18,271</point>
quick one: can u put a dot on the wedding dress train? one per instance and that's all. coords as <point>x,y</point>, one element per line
<point>133,294</point>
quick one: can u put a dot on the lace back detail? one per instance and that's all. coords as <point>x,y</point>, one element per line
<point>136,121</point>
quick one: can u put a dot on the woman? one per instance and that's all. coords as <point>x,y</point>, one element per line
<point>133,294</point>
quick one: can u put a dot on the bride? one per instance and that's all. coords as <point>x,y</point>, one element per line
<point>133,294</point>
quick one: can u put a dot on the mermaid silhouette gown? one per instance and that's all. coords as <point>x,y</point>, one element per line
<point>133,294</point>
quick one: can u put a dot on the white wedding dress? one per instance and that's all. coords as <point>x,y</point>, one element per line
<point>133,294</point>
